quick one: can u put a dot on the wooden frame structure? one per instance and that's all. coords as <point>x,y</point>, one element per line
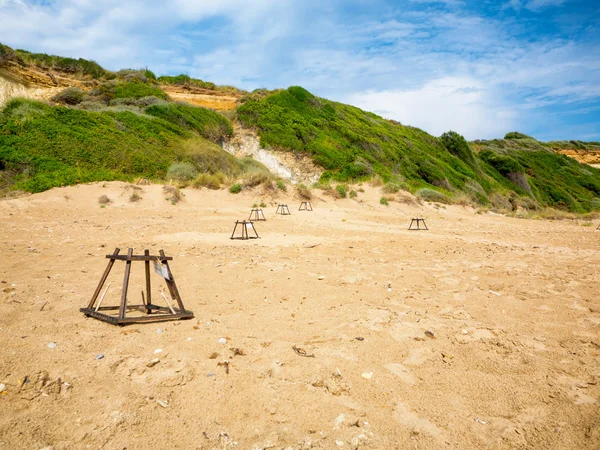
<point>257,214</point>
<point>154,313</point>
<point>245,226</point>
<point>305,206</point>
<point>283,210</point>
<point>419,221</point>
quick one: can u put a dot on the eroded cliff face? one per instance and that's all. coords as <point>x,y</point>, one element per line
<point>591,157</point>
<point>30,82</point>
<point>219,101</point>
<point>291,167</point>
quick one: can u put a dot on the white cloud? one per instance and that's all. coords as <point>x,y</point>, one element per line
<point>450,103</point>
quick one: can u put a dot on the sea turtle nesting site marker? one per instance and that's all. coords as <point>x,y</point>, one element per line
<point>149,311</point>
<point>256,214</point>
<point>305,206</point>
<point>418,227</point>
<point>244,226</point>
<point>283,210</point>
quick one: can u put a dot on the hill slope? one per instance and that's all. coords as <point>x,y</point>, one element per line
<point>354,144</point>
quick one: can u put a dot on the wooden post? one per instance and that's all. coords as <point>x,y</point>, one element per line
<point>148,294</point>
<point>103,279</point>
<point>123,307</point>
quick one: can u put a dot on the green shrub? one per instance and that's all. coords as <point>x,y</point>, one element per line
<point>341,191</point>
<point>384,201</point>
<point>391,188</point>
<point>69,96</point>
<point>352,194</point>
<point>430,195</point>
<point>210,181</point>
<point>458,146</point>
<point>235,188</point>
<point>516,135</point>
<point>137,89</point>
<point>263,205</point>
<point>182,171</point>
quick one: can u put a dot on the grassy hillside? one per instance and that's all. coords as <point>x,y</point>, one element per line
<point>43,146</point>
<point>352,144</point>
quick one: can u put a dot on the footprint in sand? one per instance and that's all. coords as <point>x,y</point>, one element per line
<point>409,419</point>
<point>418,356</point>
<point>474,334</point>
<point>402,372</point>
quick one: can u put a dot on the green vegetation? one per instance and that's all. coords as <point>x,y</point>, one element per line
<point>185,80</point>
<point>351,144</point>
<point>182,171</point>
<point>352,194</point>
<point>43,146</point>
<point>72,66</point>
<point>341,190</point>
<point>281,185</point>
<point>235,188</point>
<point>384,201</point>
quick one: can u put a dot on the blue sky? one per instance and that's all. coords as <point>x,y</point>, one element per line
<point>481,68</point>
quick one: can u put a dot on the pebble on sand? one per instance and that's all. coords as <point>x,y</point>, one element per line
<point>52,345</point>
<point>153,362</point>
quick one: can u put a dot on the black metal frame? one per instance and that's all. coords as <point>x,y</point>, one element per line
<point>305,206</point>
<point>245,235</point>
<point>163,313</point>
<point>258,215</point>
<point>283,210</point>
<point>418,220</point>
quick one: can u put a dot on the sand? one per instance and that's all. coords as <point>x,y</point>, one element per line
<point>483,332</point>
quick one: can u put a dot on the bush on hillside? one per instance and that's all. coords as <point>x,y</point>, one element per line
<point>182,171</point>
<point>69,96</point>
<point>430,195</point>
<point>235,188</point>
<point>210,181</point>
<point>341,191</point>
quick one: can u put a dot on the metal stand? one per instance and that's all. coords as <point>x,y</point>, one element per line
<point>283,210</point>
<point>154,313</point>
<point>256,215</point>
<point>305,206</point>
<point>410,227</point>
<point>598,227</point>
<point>245,226</point>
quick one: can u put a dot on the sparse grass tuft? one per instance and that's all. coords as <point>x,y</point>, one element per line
<point>135,197</point>
<point>281,185</point>
<point>352,194</point>
<point>104,200</point>
<point>384,201</point>
<point>172,194</point>
<point>303,192</point>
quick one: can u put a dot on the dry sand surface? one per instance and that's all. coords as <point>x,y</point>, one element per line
<point>483,332</point>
